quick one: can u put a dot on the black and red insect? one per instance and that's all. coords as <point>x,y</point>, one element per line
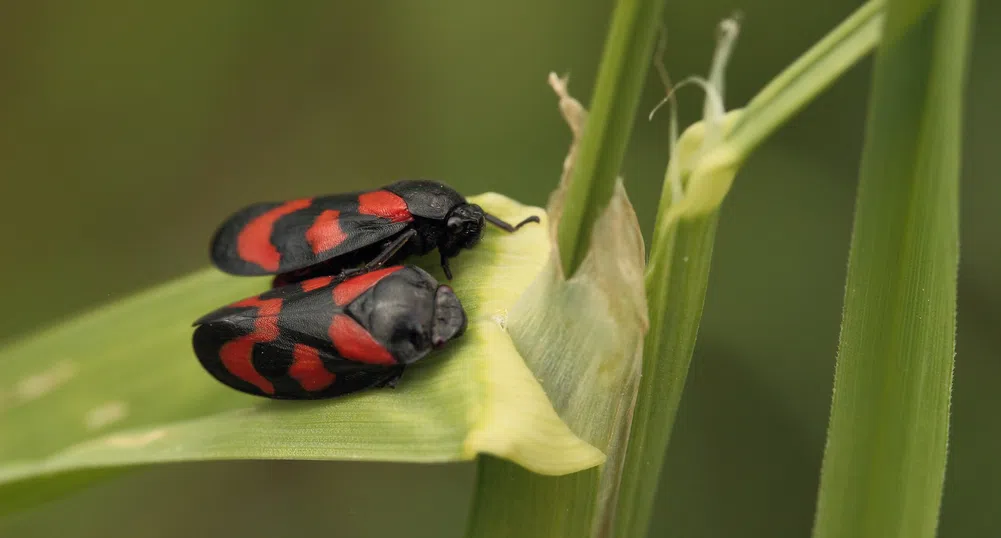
<point>329,336</point>
<point>326,235</point>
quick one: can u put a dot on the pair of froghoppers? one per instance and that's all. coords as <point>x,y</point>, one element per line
<point>341,315</point>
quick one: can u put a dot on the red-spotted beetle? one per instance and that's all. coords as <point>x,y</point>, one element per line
<point>325,235</point>
<point>328,336</point>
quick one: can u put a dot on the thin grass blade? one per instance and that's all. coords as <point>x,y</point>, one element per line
<point>884,464</point>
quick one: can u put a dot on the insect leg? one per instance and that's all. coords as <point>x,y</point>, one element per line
<point>392,378</point>
<point>445,267</point>
<point>508,227</point>
<point>383,257</point>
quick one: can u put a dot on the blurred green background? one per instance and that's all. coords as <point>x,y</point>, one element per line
<point>128,130</point>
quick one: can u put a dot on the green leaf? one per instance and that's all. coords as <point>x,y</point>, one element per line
<point>703,164</point>
<point>121,387</point>
<point>884,464</point>
<point>582,337</point>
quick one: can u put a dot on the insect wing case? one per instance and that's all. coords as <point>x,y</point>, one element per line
<point>321,338</point>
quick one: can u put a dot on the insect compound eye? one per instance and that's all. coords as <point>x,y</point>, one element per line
<point>454,223</point>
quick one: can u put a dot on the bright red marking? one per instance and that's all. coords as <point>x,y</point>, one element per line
<point>384,204</point>
<point>237,355</point>
<point>308,370</point>
<point>316,283</point>
<point>350,289</point>
<point>354,343</point>
<point>326,233</point>
<point>253,244</point>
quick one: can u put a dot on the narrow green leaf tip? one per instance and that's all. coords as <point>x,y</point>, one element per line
<point>624,64</point>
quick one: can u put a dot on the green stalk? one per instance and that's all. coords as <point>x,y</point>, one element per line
<point>884,464</point>
<point>680,258</point>
<point>624,65</point>
<point>680,282</point>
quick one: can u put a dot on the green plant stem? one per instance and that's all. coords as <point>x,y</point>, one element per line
<point>624,65</point>
<point>680,257</point>
<point>884,465</point>
<point>510,501</point>
<point>679,279</point>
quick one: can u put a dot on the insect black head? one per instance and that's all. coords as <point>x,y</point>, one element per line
<point>464,228</point>
<point>449,317</point>
<point>410,314</point>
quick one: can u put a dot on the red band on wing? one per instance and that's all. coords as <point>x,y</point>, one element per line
<point>253,244</point>
<point>316,283</point>
<point>237,355</point>
<point>308,370</point>
<point>354,343</point>
<point>326,233</point>
<point>350,289</point>
<point>384,204</point>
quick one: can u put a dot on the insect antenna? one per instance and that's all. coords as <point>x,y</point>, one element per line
<point>508,227</point>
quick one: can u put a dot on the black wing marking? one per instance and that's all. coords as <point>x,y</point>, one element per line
<point>279,237</point>
<point>273,362</point>
<point>253,344</point>
<point>296,315</point>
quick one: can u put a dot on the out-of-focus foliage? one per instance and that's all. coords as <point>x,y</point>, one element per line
<point>127,131</point>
